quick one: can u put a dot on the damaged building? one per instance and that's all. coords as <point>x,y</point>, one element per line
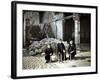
<point>43,27</point>
<point>38,25</point>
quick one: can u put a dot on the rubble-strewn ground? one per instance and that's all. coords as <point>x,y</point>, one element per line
<point>34,59</point>
<point>38,62</point>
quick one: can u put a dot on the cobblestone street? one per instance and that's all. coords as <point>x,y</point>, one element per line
<point>82,59</point>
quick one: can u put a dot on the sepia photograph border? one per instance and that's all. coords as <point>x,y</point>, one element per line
<point>14,52</point>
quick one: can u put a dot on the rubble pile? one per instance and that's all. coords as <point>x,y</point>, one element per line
<point>40,46</point>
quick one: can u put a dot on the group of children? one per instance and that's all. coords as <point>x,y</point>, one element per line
<point>61,51</point>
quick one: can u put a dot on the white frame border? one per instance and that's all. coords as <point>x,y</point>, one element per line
<point>21,72</point>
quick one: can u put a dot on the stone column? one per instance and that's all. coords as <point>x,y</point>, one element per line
<point>76,19</point>
<point>24,28</point>
<point>59,24</point>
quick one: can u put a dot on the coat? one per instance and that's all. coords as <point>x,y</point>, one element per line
<point>48,52</point>
<point>72,49</point>
<point>60,47</point>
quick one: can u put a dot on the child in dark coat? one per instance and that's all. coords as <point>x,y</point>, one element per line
<point>48,53</point>
<point>72,50</point>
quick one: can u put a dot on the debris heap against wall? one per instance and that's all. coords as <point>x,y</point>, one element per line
<point>40,46</point>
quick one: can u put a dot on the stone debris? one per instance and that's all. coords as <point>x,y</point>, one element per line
<point>40,46</point>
